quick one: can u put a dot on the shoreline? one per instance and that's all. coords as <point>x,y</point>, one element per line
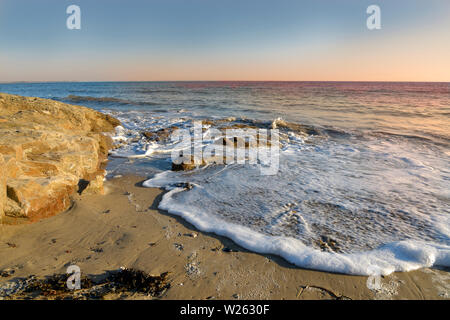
<point>125,228</point>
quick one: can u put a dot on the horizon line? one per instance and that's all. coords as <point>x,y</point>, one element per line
<point>131,81</point>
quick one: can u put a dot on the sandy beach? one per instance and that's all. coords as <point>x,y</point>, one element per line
<point>217,157</point>
<point>124,228</point>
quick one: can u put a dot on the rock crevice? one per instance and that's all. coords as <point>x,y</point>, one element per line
<point>46,148</point>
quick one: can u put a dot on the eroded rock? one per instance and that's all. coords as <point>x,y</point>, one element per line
<point>46,148</point>
<point>2,187</point>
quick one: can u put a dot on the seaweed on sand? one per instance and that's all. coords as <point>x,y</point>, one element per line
<point>123,282</point>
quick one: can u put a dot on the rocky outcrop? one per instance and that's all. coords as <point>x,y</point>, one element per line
<point>2,187</point>
<point>46,149</point>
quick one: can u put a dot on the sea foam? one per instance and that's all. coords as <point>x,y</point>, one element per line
<point>392,257</point>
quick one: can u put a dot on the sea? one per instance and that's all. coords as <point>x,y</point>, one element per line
<point>362,184</point>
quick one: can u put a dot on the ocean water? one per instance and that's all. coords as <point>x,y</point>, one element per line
<point>363,184</point>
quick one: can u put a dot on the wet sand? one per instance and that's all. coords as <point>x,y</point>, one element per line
<point>124,228</point>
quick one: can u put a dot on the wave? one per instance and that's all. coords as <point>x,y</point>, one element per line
<point>76,98</point>
<point>432,138</point>
<point>361,255</point>
<point>292,126</point>
<point>109,100</point>
<point>152,91</point>
<point>404,255</point>
<point>278,123</point>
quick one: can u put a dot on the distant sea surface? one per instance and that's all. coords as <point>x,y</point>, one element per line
<point>363,185</point>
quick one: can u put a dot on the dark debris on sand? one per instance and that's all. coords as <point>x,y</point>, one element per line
<point>124,282</point>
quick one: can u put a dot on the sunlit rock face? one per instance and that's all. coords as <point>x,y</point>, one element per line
<point>2,187</point>
<point>46,149</point>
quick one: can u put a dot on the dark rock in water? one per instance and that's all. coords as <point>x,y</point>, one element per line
<point>149,135</point>
<point>328,244</point>
<point>159,135</point>
<point>187,165</point>
<point>183,166</point>
<point>258,141</point>
<point>207,122</point>
<point>298,128</point>
<point>185,185</point>
<point>189,186</point>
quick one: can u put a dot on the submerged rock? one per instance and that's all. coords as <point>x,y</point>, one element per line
<point>183,166</point>
<point>46,148</point>
<point>188,165</point>
<point>295,127</point>
<point>159,135</point>
<point>328,244</point>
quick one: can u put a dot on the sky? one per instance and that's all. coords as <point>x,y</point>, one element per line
<point>183,40</point>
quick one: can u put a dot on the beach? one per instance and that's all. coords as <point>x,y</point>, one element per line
<point>125,228</point>
<point>192,152</point>
<point>150,197</point>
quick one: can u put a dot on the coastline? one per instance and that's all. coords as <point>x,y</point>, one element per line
<point>125,228</point>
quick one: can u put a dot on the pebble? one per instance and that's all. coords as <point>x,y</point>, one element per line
<point>178,246</point>
<point>6,273</point>
<point>192,235</point>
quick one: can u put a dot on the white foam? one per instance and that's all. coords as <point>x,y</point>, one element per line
<point>397,256</point>
<point>366,194</point>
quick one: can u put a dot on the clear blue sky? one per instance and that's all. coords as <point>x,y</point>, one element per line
<point>224,40</point>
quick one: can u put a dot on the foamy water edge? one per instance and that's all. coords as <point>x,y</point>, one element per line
<point>393,257</point>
